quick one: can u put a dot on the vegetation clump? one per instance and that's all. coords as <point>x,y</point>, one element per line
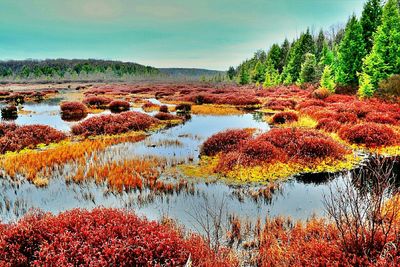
<point>285,117</point>
<point>97,101</point>
<point>9,112</point>
<point>119,106</point>
<point>73,110</point>
<point>114,124</point>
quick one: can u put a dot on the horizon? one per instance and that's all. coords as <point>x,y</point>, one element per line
<point>176,34</point>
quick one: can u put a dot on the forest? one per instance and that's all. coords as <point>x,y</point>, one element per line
<point>361,57</point>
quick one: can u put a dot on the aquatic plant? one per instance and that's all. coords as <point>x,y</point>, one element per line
<point>73,110</point>
<point>28,136</point>
<point>102,237</point>
<point>369,134</point>
<point>281,104</point>
<point>150,106</point>
<point>224,141</point>
<point>119,105</point>
<point>163,116</point>
<point>114,124</point>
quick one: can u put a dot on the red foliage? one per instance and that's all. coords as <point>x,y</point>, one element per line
<point>162,116</point>
<point>369,134</point>
<point>7,127</point>
<point>102,237</point>
<point>381,117</point>
<point>311,102</point>
<point>73,108</point>
<point>281,104</point>
<point>119,105</point>
<point>97,101</point>
<point>9,112</point>
<point>224,141</point>
<point>164,109</point>
<point>114,124</point>
<point>328,125</point>
<point>304,144</point>
<point>19,137</point>
<point>285,117</point>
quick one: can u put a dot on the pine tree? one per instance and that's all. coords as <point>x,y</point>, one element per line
<point>327,80</point>
<point>366,87</point>
<point>231,73</point>
<point>308,69</point>
<point>274,55</point>
<point>244,77</point>
<point>351,53</point>
<point>305,44</point>
<point>327,57</point>
<point>285,49</point>
<point>271,76</point>
<point>384,58</point>
<point>258,73</point>
<point>319,45</point>
<point>370,20</point>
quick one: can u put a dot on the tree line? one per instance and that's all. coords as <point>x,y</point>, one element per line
<point>365,54</point>
<point>71,69</point>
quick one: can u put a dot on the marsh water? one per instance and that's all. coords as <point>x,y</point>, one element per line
<point>298,197</point>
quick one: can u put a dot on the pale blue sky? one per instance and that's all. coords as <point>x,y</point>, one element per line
<point>163,33</point>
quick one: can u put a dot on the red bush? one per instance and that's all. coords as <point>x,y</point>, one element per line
<point>259,151</point>
<point>73,108</point>
<point>303,144</point>
<point>369,134</point>
<point>285,117</point>
<point>164,109</point>
<point>9,112</point>
<point>224,141</point>
<point>102,237</point>
<point>328,125</point>
<point>97,101</point>
<point>114,124</point>
<point>119,105</point>
<point>28,136</point>
<point>162,116</point>
<point>7,127</point>
<point>281,104</point>
<point>311,102</point>
<point>380,117</point>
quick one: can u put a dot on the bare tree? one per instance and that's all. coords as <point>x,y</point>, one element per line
<point>358,207</point>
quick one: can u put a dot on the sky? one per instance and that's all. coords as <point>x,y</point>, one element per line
<point>213,34</point>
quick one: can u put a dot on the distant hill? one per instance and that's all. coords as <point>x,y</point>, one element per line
<point>190,72</point>
<point>72,69</point>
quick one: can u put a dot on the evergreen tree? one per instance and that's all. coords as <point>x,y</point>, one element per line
<point>384,58</point>
<point>370,20</point>
<point>305,44</point>
<point>327,80</point>
<point>366,87</point>
<point>258,73</point>
<point>271,76</point>
<point>274,56</point>
<point>285,49</point>
<point>351,53</point>
<point>308,69</point>
<point>244,77</point>
<point>327,57</point>
<point>231,73</point>
<point>319,45</point>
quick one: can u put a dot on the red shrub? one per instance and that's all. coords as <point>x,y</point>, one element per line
<point>380,117</point>
<point>162,116</point>
<point>97,101</point>
<point>183,108</point>
<point>303,144</point>
<point>328,125</point>
<point>164,109</point>
<point>73,108</point>
<point>7,127</point>
<point>28,136</point>
<point>311,102</point>
<point>285,117</point>
<point>281,104</point>
<point>114,124</point>
<point>119,105</point>
<point>224,141</point>
<point>321,93</point>
<point>9,112</point>
<point>102,237</point>
<point>369,134</point>
<point>259,151</point>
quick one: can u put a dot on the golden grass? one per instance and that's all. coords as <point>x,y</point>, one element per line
<point>208,109</point>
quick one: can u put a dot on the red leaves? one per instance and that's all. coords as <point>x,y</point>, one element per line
<point>73,110</point>
<point>224,141</point>
<point>97,101</point>
<point>102,237</point>
<point>281,104</point>
<point>19,137</point>
<point>119,105</point>
<point>163,116</point>
<point>328,125</point>
<point>369,134</point>
<point>114,124</point>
